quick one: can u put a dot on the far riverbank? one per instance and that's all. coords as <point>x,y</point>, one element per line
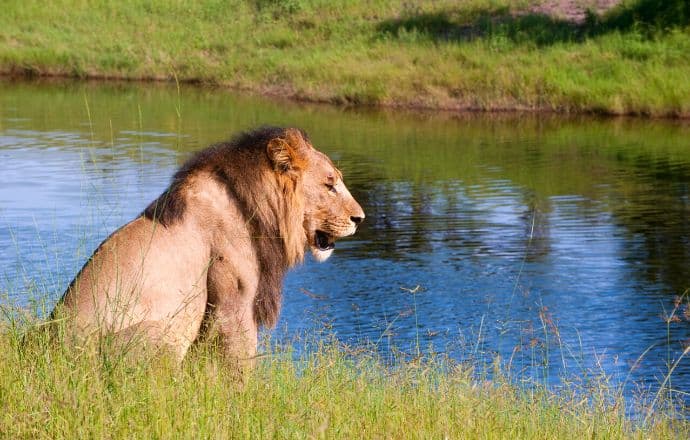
<point>617,58</point>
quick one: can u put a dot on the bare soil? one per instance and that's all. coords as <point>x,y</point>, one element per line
<point>572,10</point>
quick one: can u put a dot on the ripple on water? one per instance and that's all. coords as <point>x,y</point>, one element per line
<point>483,236</point>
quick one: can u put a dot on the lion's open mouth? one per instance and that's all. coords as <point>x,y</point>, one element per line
<point>323,241</point>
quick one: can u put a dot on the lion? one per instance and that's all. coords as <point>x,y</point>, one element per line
<point>210,254</point>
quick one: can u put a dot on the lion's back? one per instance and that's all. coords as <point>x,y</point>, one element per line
<point>141,272</point>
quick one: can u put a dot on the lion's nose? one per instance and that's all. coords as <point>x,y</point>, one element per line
<point>357,220</point>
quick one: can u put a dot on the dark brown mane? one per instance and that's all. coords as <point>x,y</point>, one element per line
<point>236,165</point>
<point>170,206</point>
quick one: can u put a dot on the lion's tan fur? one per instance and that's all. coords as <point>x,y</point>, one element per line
<point>214,248</point>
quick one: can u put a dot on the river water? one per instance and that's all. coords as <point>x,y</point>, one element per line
<point>561,245</point>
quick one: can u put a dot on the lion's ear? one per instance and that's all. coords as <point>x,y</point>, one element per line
<point>281,154</point>
<point>289,153</point>
<point>296,138</point>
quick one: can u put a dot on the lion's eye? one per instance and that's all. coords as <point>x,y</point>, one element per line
<point>331,188</point>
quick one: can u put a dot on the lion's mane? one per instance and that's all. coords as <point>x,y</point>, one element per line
<point>272,206</point>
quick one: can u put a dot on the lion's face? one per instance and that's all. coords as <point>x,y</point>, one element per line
<point>330,211</point>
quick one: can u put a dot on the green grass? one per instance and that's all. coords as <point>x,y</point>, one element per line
<point>52,389</point>
<point>476,55</point>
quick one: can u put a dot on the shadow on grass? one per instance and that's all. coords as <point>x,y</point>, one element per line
<point>645,17</point>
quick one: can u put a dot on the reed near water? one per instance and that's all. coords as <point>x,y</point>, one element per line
<point>52,388</point>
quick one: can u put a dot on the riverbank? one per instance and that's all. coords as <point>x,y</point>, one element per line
<point>50,389</point>
<point>627,57</point>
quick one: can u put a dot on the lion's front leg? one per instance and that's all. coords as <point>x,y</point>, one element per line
<point>235,329</point>
<point>230,317</point>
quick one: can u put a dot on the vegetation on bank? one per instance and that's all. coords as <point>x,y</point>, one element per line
<point>52,389</point>
<point>478,54</point>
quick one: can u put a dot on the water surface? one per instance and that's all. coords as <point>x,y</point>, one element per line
<point>561,245</point>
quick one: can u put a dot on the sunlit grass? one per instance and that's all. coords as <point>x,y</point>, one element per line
<point>50,388</point>
<point>479,55</point>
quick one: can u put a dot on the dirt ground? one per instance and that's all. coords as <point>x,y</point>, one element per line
<point>572,10</point>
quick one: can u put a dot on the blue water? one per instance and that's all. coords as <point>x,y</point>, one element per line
<point>558,245</point>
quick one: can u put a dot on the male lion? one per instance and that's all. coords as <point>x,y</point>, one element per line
<point>214,247</point>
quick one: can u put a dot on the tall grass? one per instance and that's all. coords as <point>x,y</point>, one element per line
<point>50,388</point>
<point>478,55</point>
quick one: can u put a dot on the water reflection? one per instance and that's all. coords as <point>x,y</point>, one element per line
<point>558,244</point>
<point>658,223</point>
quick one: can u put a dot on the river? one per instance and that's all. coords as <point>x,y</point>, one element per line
<point>559,244</point>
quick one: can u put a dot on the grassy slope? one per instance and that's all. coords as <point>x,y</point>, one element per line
<point>50,391</point>
<point>474,54</point>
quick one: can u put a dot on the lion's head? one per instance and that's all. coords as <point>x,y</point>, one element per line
<point>330,211</point>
